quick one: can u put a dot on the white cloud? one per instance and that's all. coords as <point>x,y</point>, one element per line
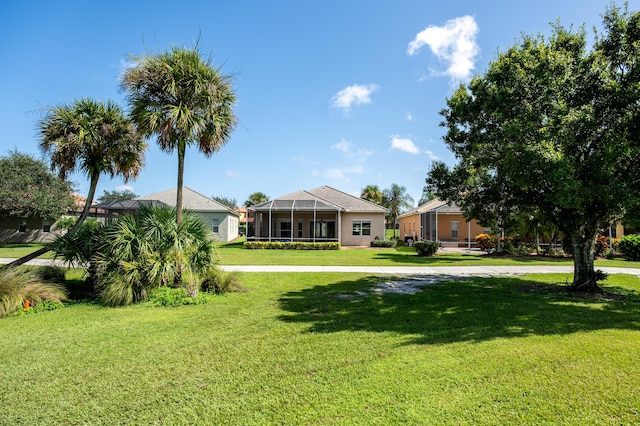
<point>233,173</point>
<point>404,144</point>
<point>454,43</point>
<point>302,159</point>
<point>343,146</point>
<point>353,95</point>
<point>431,155</point>
<point>409,116</point>
<point>342,174</point>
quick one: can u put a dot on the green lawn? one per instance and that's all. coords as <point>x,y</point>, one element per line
<point>19,250</point>
<point>320,349</point>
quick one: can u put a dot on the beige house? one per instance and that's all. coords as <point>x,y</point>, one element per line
<point>222,219</point>
<point>317,215</point>
<point>437,220</point>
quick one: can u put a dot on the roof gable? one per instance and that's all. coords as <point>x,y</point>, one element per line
<point>347,202</point>
<point>191,200</point>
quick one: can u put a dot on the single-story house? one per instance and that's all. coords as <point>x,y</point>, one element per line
<point>437,220</point>
<point>317,215</point>
<point>15,229</point>
<point>222,219</point>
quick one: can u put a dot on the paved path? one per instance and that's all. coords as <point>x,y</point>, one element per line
<point>397,270</point>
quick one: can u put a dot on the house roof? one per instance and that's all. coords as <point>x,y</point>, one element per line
<point>321,198</point>
<point>191,200</point>
<point>128,204</point>
<point>433,205</point>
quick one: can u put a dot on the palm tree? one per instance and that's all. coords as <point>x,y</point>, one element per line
<point>372,193</point>
<point>182,100</point>
<point>396,199</point>
<point>256,198</point>
<point>94,137</point>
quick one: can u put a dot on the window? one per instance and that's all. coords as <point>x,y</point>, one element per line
<point>285,229</point>
<point>361,228</point>
<point>486,230</point>
<point>300,229</point>
<point>46,225</point>
<point>454,230</point>
<point>22,225</point>
<point>215,225</point>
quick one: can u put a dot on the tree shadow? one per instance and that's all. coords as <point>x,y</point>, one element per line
<point>455,258</point>
<point>475,309</point>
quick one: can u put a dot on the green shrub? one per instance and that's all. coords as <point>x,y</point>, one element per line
<point>486,242</point>
<point>601,245</point>
<point>20,285</point>
<point>426,248</point>
<point>629,246</point>
<point>218,281</point>
<point>168,296</point>
<point>51,274</point>
<point>384,243</point>
<point>288,245</point>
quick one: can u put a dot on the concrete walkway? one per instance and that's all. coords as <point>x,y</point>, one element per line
<point>396,270</point>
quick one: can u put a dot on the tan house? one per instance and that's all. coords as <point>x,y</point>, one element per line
<point>317,215</point>
<point>437,220</point>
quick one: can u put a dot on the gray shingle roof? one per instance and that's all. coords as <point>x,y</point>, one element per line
<point>191,200</point>
<point>323,198</point>
<point>432,205</point>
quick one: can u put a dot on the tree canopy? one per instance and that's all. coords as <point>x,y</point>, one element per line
<point>29,189</point>
<point>116,195</point>
<point>256,198</point>
<point>372,193</point>
<point>182,100</point>
<point>551,129</point>
<point>232,203</point>
<point>396,199</point>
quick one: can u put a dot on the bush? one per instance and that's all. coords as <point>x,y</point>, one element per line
<point>601,246</point>
<point>219,282</point>
<point>168,296</point>
<point>288,245</point>
<point>629,246</point>
<point>486,242</point>
<point>19,286</point>
<point>426,248</point>
<point>384,243</point>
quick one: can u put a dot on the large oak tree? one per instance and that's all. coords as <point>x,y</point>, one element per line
<point>552,128</point>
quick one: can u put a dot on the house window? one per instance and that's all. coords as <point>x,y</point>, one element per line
<point>361,228</point>
<point>285,229</point>
<point>300,235</point>
<point>46,225</point>
<point>454,230</point>
<point>486,230</point>
<point>215,225</point>
<point>22,225</point>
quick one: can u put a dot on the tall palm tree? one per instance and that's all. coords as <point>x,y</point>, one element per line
<point>396,199</point>
<point>96,138</point>
<point>372,193</point>
<point>182,100</point>
<point>93,137</point>
<point>256,198</point>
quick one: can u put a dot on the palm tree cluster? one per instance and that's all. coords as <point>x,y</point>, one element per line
<point>396,199</point>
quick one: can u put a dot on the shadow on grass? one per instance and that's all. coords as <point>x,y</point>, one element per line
<point>477,309</point>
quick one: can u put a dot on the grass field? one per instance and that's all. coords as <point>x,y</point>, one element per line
<point>322,349</point>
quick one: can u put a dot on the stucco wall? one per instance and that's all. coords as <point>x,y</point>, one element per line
<point>227,224</point>
<point>377,228</point>
<point>9,231</point>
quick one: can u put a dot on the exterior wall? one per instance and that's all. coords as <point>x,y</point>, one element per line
<point>9,231</point>
<point>410,226</point>
<point>346,230</point>
<point>444,227</point>
<point>227,225</point>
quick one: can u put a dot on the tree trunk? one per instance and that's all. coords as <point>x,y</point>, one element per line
<point>584,275</point>
<point>181,154</point>
<point>76,226</point>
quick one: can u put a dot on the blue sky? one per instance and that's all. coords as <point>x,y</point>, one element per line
<point>339,93</point>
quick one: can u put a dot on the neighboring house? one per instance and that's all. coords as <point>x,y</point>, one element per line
<point>222,219</point>
<point>317,215</point>
<point>35,229</point>
<point>242,220</point>
<point>437,220</point>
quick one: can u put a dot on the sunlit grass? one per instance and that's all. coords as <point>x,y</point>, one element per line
<point>322,349</point>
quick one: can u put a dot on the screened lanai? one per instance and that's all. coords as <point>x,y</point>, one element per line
<point>309,220</point>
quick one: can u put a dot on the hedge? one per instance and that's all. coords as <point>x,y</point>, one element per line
<point>287,245</point>
<point>384,243</point>
<point>426,248</point>
<point>629,246</point>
